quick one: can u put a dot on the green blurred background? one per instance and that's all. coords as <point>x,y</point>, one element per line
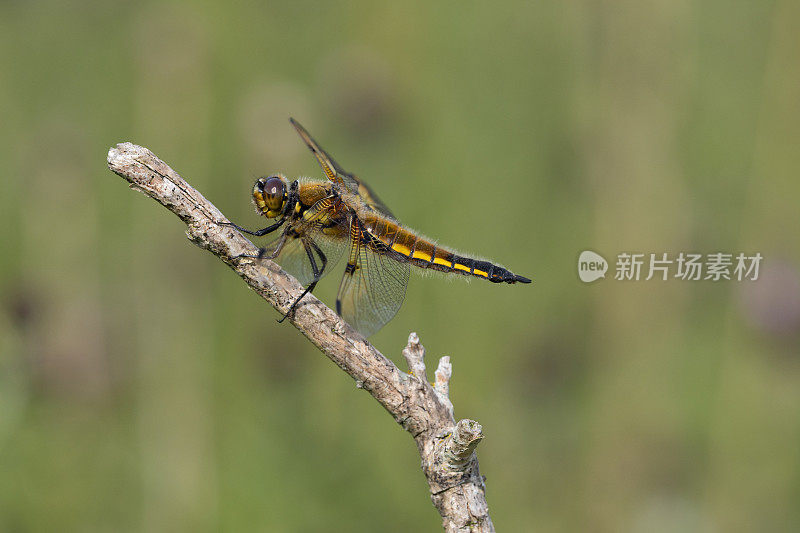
<point>143,387</point>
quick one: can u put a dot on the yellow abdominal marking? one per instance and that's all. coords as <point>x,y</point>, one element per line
<point>421,255</point>
<point>480,273</point>
<point>399,248</point>
<point>445,262</point>
<point>460,267</point>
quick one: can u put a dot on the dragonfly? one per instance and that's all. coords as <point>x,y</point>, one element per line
<point>319,221</point>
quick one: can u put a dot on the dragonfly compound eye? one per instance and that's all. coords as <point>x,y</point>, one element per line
<point>270,195</point>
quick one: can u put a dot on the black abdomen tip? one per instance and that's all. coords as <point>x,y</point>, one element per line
<point>501,275</point>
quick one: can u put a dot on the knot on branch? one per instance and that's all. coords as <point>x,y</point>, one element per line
<point>460,445</point>
<point>453,461</point>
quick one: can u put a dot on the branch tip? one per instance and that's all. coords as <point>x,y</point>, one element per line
<point>462,443</point>
<point>442,384</point>
<point>414,354</point>
<point>443,373</point>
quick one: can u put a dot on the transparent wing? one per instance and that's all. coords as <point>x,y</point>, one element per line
<point>374,283</point>
<point>337,174</point>
<point>293,257</point>
<point>372,200</point>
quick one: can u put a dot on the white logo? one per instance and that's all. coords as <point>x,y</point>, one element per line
<point>591,266</point>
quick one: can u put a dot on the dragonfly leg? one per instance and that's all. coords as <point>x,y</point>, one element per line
<point>262,252</point>
<point>259,232</point>
<point>310,247</point>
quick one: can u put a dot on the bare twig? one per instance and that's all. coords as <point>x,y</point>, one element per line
<point>425,411</point>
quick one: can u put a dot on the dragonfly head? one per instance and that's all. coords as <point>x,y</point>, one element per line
<point>270,195</point>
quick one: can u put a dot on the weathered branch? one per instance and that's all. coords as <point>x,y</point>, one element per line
<point>446,448</point>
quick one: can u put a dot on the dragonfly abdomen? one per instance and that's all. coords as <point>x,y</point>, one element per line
<point>468,266</point>
<point>424,254</point>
